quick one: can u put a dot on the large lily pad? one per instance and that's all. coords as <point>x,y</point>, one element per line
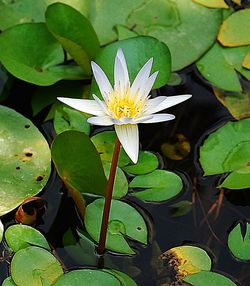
<point>79,5</point>
<point>86,277</point>
<point>143,48</point>
<point>34,266</point>
<point>74,32</point>
<point>212,3</point>
<point>238,243</point>
<point>20,236</point>
<point>8,282</point>
<point>160,185</point>
<point>123,220</point>
<point>178,23</point>
<point>31,53</point>
<point>227,150</point>
<point>235,29</point>
<point>78,163</point>
<point>221,66</point>
<point>205,278</point>
<point>124,279</point>
<point>24,160</point>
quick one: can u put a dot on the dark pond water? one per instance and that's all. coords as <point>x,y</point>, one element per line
<point>195,119</point>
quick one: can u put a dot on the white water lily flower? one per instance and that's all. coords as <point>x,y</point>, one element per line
<point>126,105</point>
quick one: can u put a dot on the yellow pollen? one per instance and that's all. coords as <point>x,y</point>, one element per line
<point>124,107</point>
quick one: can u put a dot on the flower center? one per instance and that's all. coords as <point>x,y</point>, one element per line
<point>124,107</point>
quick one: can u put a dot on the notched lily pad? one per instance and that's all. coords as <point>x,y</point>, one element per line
<point>235,29</point>
<point>205,278</point>
<point>147,162</point>
<point>86,277</point>
<point>186,260</point>
<point>24,159</point>
<point>20,236</point>
<point>160,185</point>
<point>239,243</point>
<point>124,220</point>
<point>227,150</point>
<point>39,265</point>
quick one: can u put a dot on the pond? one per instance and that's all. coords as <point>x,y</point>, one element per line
<point>180,214</point>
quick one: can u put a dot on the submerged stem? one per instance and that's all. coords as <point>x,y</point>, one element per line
<point>108,198</point>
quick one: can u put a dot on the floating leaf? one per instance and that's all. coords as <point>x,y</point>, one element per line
<point>79,5</point>
<point>24,160</point>
<point>35,58</point>
<point>147,162</point>
<point>239,179</point>
<point>181,208</point>
<point>78,163</point>
<point>121,182</point>
<point>246,61</point>
<point>123,220</point>
<point>100,12</point>
<point>235,29</point>
<point>86,277</point>
<point>175,79</point>
<point>104,143</point>
<point>20,236</point>
<point>124,33</point>
<point>124,279</point>
<point>70,119</point>
<point>8,282</point>
<point>1,230</point>
<point>212,3</point>
<point>187,260</point>
<point>239,243</point>
<point>237,103</point>
<point>221,66</point>
<point>178,23</point>
<point>205,278</point>
<point>228,149</point>
<point>160,185</point>
<point>143,48</point>
<point>21,11</point>
<point>31,265</point>
<point>74,32</point>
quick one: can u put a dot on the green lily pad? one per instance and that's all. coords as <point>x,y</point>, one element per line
<point>86,277</point>
<point>24,160</point>
<point>104,16</point>
<point>124,33</point>
<point>79,5</point>
<point>221,66</point>
<point>246,61</point>
<point>121,182</point>
<point>212,3</point>
<point>8,282</point>
<point>74,32</point>
<point>124,279</point>
<point>123,220</point>
<point>78,163</point>
<point>205,278</point>
<point>6,82</point>
<point>1,230</point>
<point>235,29</point>
<point>70,119</point>
<point>227,150</point>
<point>238,243</point>
<point>175,79</point>
<point>20,236</point>
<point>178,23</point>
<point>160,185</point>
<point>181,208</point>
<point>189,259</point>
<point>21,11</point>
<point>35,58</point>
<point>104,143</point>
<point>147,162</point>
<point>31,265</point>
<point>143,48</point>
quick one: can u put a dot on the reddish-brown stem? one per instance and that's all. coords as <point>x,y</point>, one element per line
<point>108,198</point>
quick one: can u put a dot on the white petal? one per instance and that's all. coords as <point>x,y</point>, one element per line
<point>154,102</point>
<point>102,80</point>
<point>124,120</point>
<point>169,101</point>
<point>158,118</point>
<point>145,90</point>
<point>128,135</point>
<point>141,77</point>
<point>121,76</point>
<point>142,119</point>
<point>101,103</point>
<point>84,105</point>
<point>100,120</point>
